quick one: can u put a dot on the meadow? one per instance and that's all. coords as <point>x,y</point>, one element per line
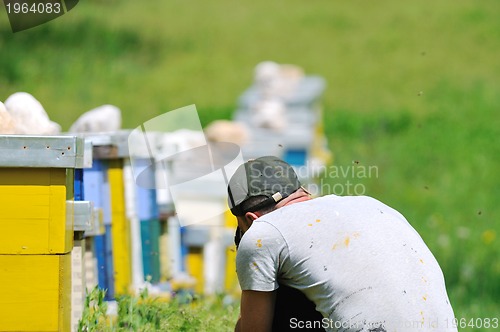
<point>413,90</point>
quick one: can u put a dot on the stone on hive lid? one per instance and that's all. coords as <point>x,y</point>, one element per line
<point>30,116</point>
<point>105,118</point>
<point>227,131</point>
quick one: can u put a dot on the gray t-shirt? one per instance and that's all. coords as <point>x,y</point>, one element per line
<point>358,260</point>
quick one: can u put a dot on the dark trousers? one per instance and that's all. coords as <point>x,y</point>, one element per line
<point>293,306</point>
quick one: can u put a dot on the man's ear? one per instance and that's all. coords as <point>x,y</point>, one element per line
<point>244,222</point>
<point>251,216</point>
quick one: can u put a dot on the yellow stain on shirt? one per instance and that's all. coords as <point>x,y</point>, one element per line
<point>259,243</point>
<point>346,241</point>
<point>318,220</point>
<point>421,261</point>
<point>309,224</point>
<point>424,280</point>
<point>425,297</point>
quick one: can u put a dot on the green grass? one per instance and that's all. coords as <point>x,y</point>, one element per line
<point>145,313</point>
<point>413,89</point>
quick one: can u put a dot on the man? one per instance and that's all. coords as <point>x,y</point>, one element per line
<point>359,261</point>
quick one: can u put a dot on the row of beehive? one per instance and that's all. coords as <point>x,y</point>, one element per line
<point>67,226</point>
<point>143,237</point>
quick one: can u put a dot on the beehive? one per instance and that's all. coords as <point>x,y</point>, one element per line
<point>36,231</point>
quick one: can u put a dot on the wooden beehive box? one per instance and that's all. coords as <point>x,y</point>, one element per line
<point>36,236</point>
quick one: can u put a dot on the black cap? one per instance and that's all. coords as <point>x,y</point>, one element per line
<point>266,176</point>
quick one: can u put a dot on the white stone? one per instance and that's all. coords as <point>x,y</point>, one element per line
<point>30,116</point>
<point>270,114</point>
<point>277,80</point>
<point>227,131</point>
<point>105,118</point>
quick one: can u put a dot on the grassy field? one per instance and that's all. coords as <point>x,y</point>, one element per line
<point>145,313</point>
<point>413,90</point>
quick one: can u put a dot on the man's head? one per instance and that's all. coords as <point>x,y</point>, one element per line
<point>258,185</point>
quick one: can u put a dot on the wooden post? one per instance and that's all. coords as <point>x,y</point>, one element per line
<point>135,227</point>
<point>120,230</point>
<point>148,214</point>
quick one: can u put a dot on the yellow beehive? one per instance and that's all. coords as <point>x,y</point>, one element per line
<point>36,235</point>
<point>33,213</point>
<point>36,291</point>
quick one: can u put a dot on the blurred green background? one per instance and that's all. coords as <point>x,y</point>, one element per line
<point>413,89</point>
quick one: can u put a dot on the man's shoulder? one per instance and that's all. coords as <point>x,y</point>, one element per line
<point>363,200</point>
<point>335,199</point>
<point>331,204</point>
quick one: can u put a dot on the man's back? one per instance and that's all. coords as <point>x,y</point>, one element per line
<point>359,260</point>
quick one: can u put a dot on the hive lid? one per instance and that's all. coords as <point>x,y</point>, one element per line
<point>42,151</point>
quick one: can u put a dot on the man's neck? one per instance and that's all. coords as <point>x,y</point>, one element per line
<point>299,196</point>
